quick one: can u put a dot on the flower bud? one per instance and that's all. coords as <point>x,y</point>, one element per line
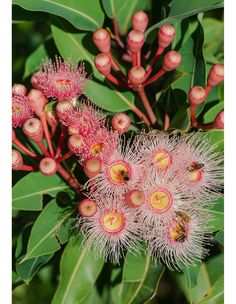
<point>197,95</point>
<point>48,166</point>
<point>219,121</point>
<point>37,101</point>
<point>216,75</point>
<point>166,35</point>
<point>92,167</point>
<point>121,123</point>
<point>137,75</point>
<point>17,160</point>
<point>19,89</point>
<point>171,61</point>
<point>75,142</point>
<point>103,63</point>
<point>87,207</point>
<point>135,41</point>
<point>72,130</point>
<point>102,40</point>
<point>134,198</point>
<point>33,129</point>
<point>52,119</point>
<point>62,108</point>
<point>140,21</point>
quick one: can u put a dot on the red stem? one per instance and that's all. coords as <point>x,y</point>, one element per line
<point>208,89</point>
<point>166,122</point>
<point>154,77</point>
<point>65,156</point>
<point>61,140</point>
<point>134,59</point>
<point>138,56</point>
<point>19,144</point>
<point>43,149</point>
<point>116,81</point>
<point>116,30</point>
<point>157,55</point>
<point>146,104</point>
<point>28,168</point>
<point>116,67</point>
<point>141,115</point>
<point>193,115</point>
<point>68,178</point>
<point>47,133</point>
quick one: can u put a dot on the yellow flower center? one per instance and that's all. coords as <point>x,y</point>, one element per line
<point>119,173</point>
<point>160,200</point>
<point>113,221</point>
<point>162,159</point>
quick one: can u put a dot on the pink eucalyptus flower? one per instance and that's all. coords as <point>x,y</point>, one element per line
<point>21,110</point>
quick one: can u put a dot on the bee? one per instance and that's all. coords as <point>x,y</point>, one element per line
<point>184,217</point>
<point>180,233</point>
<point>124,175</point>
<point>195,166</point>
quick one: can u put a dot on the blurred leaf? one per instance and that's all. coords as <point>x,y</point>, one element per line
<point>28,192</point>
<point>80,13</point>
<point>50,106</point>
<point>181,120</point>
<point>217,211</point>
<point>216,293</point>
<point>182,9</point>
<point>211,114</point>
<point>214,35</point>
<point>49,232</point>
<point>93,298</point>
<point>78,273</point>
<point>220,237</point>
<point>29,268</point>
<point>215,267</point>
<point>217,137</point>
<point>108,99</point>
<point>140,279</point>
<point>191,275</point>
<point>122,11</point>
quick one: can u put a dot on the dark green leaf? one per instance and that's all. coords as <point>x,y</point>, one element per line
<point>78,273</point>
<point>80,13</point>
<point>27,193</point>
<point>220,237</point>
<point>140,279</point>
<point>184,9</point>
<point>211,114</point>
<point>181,120</point>
<point>21,15</point>
<point>49,232</point>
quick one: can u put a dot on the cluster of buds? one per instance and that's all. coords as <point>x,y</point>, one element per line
<point>140,74</point>
<point>197,95</point>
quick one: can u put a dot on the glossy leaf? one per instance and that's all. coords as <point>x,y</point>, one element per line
<point>49,232</point>
<point>140,279</point>
<point>214,35</point>
<point>78,273</point>
<point>28,192</point>
<point>217,211</point>
<point>217,137</point>
<point>211,114</point>
<point>80,13</point>
<point>181,10</point>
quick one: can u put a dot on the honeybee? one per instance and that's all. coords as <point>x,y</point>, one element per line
<point>184,217</point>
<point>124,175</point>
<point>180,233</point>
<point>195,166</point>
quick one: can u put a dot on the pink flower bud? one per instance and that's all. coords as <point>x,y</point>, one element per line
<point>121,122</point>
<point>52,119</point>
<point>19,89</point>
<point>37,101</point>
<point>134,198</point>
<point>197,95</point>
<point>72,130</point>
<point>17,160</point>
<point>103,63</point>
<point>219,121</point>
<point>92,167</point>
<point>102,40</point>
<point>171,61</point>
<point>137,75</point>
<point>140,21</point>
<point>33,129</point>
<point>63,107</point>
<point>75,142</point>
<point>87,207</point>
<point>135,41</point>
<point>216,75</point>
<point>166,35</point>
<point>48,166</point>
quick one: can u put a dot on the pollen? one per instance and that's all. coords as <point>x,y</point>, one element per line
<point>160,200</point>
<point>162,159</point>
<point>119,173</point>
<point>113,221</point>
<point>97,148</point>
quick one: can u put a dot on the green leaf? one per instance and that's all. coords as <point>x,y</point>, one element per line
<point>211,114</point>
<point>214,35</point>
<point>108,99</point>
<point>27,270</point>
<point>220,237</point>
<point>28,192</point>
<point>191,275</point>
<point>49,232</point>
<point>217,137</point>
<point>122,11</point>
<point>20,15</point>
<point>78,273</point>
<point>217,211</point>
<point>80,13</point>
<point>183,9</point>
<point>140,279</point>
<point>181,120</point>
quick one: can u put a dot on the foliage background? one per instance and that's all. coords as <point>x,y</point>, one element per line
<point>42,29</point>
